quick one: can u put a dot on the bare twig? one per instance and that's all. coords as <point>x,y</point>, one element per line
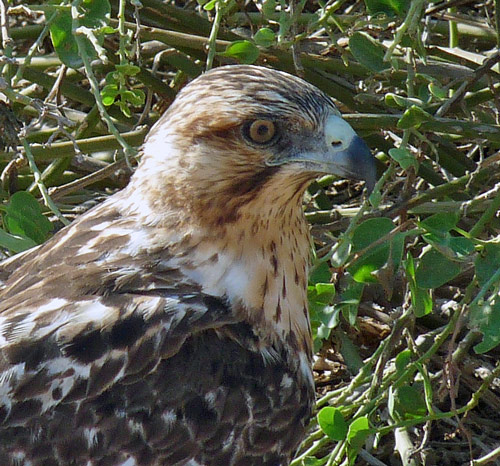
<point>80,183</point>
<point>469,82</point>
<point>41,186</point>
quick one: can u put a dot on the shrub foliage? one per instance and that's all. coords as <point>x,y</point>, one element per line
<point>405,286</point>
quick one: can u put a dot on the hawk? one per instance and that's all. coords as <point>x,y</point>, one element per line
<point>169,325</point>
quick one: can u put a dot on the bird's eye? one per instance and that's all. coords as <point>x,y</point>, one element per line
<point>261,131</point>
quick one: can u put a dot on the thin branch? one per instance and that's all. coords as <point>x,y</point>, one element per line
<point>41,186</point>
<point>128,150</point>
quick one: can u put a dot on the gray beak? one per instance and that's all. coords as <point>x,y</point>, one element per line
<point>356,162</point>
<point>339,152</point>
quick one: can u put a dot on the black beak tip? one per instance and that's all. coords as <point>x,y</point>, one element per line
<point>364,163</point>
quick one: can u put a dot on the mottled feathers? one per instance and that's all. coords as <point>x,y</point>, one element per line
<point>168,325</point>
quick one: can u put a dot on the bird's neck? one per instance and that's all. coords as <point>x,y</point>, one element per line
<point>260,264</point>
<point>257,257</point>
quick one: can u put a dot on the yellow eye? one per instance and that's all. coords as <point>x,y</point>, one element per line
<point>262,131</point>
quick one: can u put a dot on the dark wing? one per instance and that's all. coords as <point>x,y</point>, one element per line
<point>132,362</point>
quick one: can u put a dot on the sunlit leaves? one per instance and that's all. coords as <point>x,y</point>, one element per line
<point>486,317</point>
<point>358,432</point>
<point>368,51</point>
<point>413,117</point>
<point>116,90</point>
<point>265,37</point>
<point>404,158</point>
<point>24,221</point>
<point>434,269</point>
<point>420,298</point>
<point>487,263</point>
<point>320,294</point>
<point>15,243</point>
<point>388,7</point>
<point>406,402</point>
<point>485,313</point>
<point>367,238</point>
<point>242,50</point>
<point>93,14</point>
<point>332,423</point>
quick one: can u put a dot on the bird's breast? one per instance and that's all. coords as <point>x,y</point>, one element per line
<point>263,277</point>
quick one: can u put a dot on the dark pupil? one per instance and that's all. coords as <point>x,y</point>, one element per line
<point>262,130</point>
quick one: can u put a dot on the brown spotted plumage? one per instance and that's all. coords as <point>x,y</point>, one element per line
<point>168,326</point>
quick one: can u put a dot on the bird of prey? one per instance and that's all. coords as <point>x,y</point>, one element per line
<point>169,325</point>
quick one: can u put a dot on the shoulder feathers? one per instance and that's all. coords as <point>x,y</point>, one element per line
<point>169,325</point>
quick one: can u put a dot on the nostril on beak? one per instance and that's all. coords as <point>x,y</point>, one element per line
<point>336,144</point>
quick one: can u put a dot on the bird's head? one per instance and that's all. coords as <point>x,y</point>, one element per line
<point>239,131</point>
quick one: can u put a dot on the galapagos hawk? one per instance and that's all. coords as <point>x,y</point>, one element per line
<point>169,325</point>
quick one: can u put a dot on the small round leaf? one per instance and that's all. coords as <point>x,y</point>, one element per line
<point>332,423</point>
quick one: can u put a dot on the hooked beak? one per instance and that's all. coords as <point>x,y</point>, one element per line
<point>342,153</point>
<point>356,161</point>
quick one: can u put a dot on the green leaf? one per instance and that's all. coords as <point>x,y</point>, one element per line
<point>320,296</point>
<point>397,249</point>
<point>63,41</point>
<point>413,118</point>
<point>375,198</point>
<point>94,15</point>
<point>243,51</point>
<point>322,333</point>
<point>370,231</point>
<point>312,461</point>
<point>107,30</point>
<point>421,299</point>
<point>268,8</point>
<point>394,100</point>
<point>437,91</point>
<point>349,301</point>
<point>440,223</point>
<point>423,93</point>
<point>404,158</point>
<point>15,243</point>
<point>358,432</point>
<point>24,217</point>
<point>332,423</point>
<point>487,318</point>
<point>134,97</point>
<point>487,262</point>
<point>109,94</point>
<point>461,246</point>
<point>388,7</point>
<point>368,51</point>
<point>456,247</point>
<point>363,270</point>
<point>114,78</point>
<point>434,269</point>
<point>325,292</point>
<point>124,108</point>
<point>341,253</point>
<point>328,317</point>
<point>265,37</point>
<point>402,360</point>
<point>349,351</point>
<point>428,391</point>
<point>207,5</point>
<point>320,274</point>
<point>128,69</point>
<point>374,258</point>
<point>407,403</point>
